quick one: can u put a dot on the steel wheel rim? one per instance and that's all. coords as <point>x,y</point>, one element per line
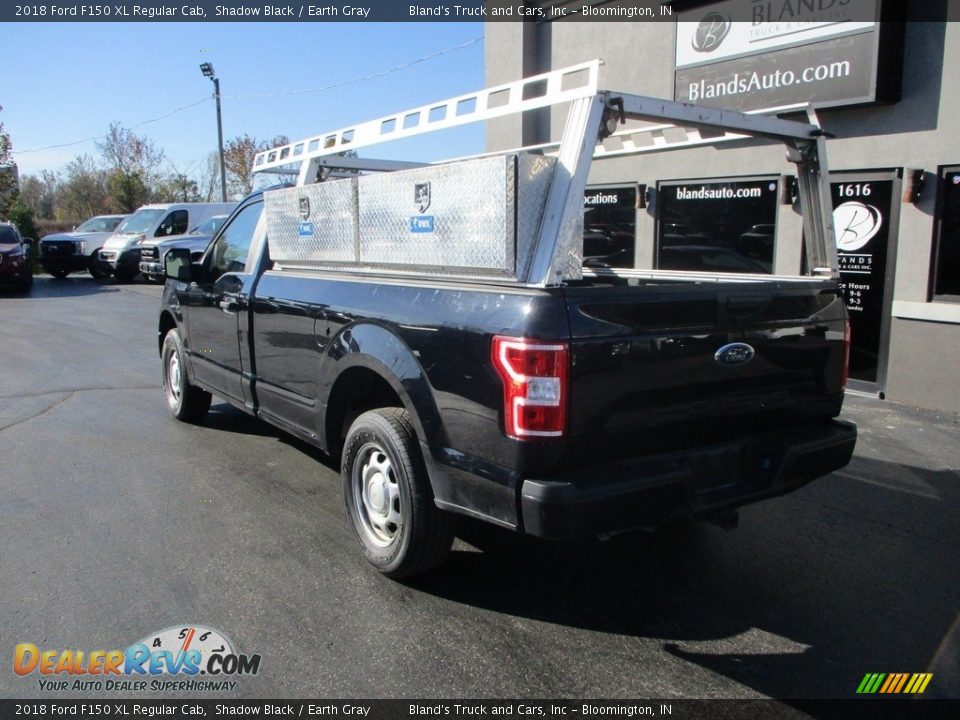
<point>376,495</point>
<point>174,379</point>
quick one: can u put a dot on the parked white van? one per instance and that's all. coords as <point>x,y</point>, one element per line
<point>121,252</point>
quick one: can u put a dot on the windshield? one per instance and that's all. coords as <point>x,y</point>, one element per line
<point>99,224</point>
<point>209,226</point>
<point>7,235</point>
<point>140,221</point>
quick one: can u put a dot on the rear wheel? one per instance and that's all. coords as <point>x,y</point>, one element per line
<point>186,402</point>
<point>388,498</point>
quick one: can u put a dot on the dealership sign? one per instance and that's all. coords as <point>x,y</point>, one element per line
<point>764,54</point>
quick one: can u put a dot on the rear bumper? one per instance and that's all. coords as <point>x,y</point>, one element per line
<point>691,483</point>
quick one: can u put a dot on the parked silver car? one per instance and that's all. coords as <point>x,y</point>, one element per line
<point>64,253</point>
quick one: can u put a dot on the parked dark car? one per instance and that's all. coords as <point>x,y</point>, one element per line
<point>15,257</point>
<point>151,256</point>
<point>152,250</point>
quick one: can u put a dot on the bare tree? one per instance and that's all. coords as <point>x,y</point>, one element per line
<point>209,183</point>
<point>178,186</point>
<point>133,163</point>
<point>238,154</point>
<point>83,192</point>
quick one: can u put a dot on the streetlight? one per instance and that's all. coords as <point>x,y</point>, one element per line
<point>207,70</point>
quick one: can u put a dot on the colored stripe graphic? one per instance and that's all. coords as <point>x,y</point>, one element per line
<point>903,679</point>
<point>894,683</point>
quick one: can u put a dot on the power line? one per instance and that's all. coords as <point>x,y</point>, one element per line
<point>101,137</point>
<point>371,76</point>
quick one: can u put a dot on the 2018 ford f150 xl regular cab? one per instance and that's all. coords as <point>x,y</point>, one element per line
<point>433,328</point>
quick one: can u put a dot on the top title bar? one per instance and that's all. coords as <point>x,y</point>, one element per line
<point>419,11</point>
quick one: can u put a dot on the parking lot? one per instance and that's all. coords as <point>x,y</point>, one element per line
<point>116,522</point>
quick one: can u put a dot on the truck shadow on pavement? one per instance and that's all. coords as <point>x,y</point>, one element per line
<point>812,592</point>
<point>858,572</point>
<point>70,286</point>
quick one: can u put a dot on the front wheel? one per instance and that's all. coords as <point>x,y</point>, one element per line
<point>186,402</point>
<point>58,273</point>
<point>388,498</point>
<point>97,269</point>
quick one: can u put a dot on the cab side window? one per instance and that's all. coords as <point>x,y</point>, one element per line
<point>230,250</point>
<point>174,224</point>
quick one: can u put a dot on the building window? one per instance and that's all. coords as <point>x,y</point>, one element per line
<point>717,225</point>
<point>946,255</point>
<point>609,226</point>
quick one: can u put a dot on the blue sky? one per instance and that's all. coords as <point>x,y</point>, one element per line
<point>67,82</point>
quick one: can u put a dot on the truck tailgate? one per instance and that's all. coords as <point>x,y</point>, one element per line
<point>648,373</point>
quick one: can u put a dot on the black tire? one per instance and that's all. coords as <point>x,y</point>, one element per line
<point>58,273</point>
<point>97,270</point>
<point>186,402</point>
<point>388,498</point>
<point>125,275</point>
<point>27,283</point>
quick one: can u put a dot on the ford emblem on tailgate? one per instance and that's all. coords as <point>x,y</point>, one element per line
<point>737,353</point>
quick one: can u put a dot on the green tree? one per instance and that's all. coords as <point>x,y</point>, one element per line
<point>8,173</point>
<point>126,191</point>
<point>21,215</point>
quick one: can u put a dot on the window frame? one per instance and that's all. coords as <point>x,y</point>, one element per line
<point>725,179</point>
<point>939,217</point>
<point>254,236</point>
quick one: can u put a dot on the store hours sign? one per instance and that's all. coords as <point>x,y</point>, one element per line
<point>861,221</point>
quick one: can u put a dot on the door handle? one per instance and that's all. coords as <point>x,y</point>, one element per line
<point>230,305</point>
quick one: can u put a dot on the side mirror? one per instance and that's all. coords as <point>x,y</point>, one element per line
<point>176,264</point>
<point>28,241</point>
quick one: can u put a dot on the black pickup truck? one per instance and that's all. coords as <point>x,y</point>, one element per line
<point>587,406</point>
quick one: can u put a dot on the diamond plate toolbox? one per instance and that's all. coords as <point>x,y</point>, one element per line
<point>313,225</point>
<point>473,218</point>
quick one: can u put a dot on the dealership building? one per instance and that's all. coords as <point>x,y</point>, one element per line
<point>879,87</point>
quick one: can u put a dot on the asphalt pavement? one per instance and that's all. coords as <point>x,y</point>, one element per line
<point>117,521</point>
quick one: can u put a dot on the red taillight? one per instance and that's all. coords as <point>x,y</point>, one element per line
<point>845,374</point>
<point>534,378</point>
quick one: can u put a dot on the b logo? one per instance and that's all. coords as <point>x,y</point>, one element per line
<point>855,225</point>
<point>711,31</point>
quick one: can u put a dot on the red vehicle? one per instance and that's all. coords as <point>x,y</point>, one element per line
<point>15,257</point>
